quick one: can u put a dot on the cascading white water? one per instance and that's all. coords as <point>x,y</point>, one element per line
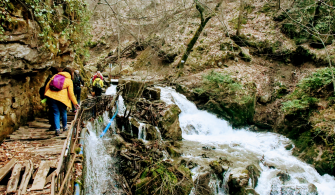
<point>142,134</point>
<point>121,107</point>
<point>244,147</point>
<point>99,165</point>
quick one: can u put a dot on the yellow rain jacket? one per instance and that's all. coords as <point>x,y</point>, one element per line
<point>65,95</point>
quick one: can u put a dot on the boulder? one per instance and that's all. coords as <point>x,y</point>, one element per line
<point>254,174</point>
<point>312,189</point>
<point>283,176</point>
<point>152,93</point>
<point>265,98</point>
<point>132,88</point>
<point>238,180</point>
<point>217,167</point>
<point>245,55</point>
<point>201,184</point>
<point>152,132</point>
<point>169,123</point>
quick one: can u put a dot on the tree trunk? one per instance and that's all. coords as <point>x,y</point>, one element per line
<point>194,39</point>
<point>239,22</point>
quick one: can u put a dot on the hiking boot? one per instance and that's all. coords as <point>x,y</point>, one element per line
<point>65,129</point>
<point>57,132</point>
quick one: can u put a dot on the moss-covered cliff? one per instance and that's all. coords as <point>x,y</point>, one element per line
<point>35,35</point>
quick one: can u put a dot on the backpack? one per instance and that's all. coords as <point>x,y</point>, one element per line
<point>56,84</point>
<point>97,83</point>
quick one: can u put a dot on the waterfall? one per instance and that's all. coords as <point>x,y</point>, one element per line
<point>99,165</point>
<point>141,131</point>
<point>244,147</point>
<point>112,91</point>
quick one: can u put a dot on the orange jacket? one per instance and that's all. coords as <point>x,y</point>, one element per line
<point>65,95</point>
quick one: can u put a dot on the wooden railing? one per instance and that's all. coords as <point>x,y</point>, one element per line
<point>63,180</point>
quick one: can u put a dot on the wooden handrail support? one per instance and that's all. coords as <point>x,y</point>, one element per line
<point>61,160</point>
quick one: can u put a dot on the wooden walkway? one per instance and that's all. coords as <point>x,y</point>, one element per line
<point>29,156</point>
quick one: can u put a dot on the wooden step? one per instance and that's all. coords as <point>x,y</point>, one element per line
<point>41,175</point>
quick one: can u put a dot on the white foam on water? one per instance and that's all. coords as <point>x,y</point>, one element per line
<point>204,127</point>
<point>121,107</point>
<point>99,165</point>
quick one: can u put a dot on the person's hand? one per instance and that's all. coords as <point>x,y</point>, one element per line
<point>77,106</point>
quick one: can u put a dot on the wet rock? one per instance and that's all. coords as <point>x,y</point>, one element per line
<point>174,152</point>
<point>201,185</point>
<point>250,191</point>
<point>169,123</point>
<point>283,176</point>
<point>152,133</point>
<point>190,129</point>
<point>117,140</point>
<point>254,174</point>
<point>312,189</point>
<point>288,146</point>
<point>152,93</point>
<point>217,167</point>
<point>208,148</point>
<point>188,163</point>
<point>238,180</point>
<point>245,54</point>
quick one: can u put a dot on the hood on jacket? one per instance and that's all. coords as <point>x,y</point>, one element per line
<point>66,74</point>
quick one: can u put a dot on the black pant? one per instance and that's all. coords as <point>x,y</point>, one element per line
<point>97,91</point>
<point>77,92</point>
<point>50,115</point>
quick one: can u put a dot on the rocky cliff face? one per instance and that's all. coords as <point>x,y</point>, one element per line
<point>24,62</point>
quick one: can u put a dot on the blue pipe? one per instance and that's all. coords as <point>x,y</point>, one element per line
<point>77,189</point>
<point>110,122</point>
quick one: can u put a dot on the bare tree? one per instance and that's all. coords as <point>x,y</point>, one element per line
<point>203,21</point>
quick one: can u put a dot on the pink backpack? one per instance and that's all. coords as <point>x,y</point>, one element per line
<point>56,84</point>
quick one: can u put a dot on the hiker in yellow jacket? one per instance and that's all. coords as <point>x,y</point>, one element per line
<point>97,86</point>
<point>61,98</point>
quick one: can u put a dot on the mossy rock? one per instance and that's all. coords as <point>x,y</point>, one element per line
<point>245,55</point>
<point>169,123</point>
<point>174,152</point>
<point>229,45</point>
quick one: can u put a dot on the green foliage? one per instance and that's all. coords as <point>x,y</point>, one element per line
<point>302,97</point>
<point>298,104</point>
<point>165,178</point>
<point>318,17</point>
<point>216,82</point>
<point>68,21</point>
<point>318,79</point>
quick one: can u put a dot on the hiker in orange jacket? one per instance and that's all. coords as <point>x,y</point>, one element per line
<point>60,94</point>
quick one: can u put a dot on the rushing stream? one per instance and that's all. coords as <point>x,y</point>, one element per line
<point>204,130</point>
<point>243,148</point>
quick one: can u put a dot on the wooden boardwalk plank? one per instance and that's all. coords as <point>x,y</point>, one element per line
<point>26,177</point>
<point>14,179</point>
<point>40,178</point>
<point>4,170</point>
